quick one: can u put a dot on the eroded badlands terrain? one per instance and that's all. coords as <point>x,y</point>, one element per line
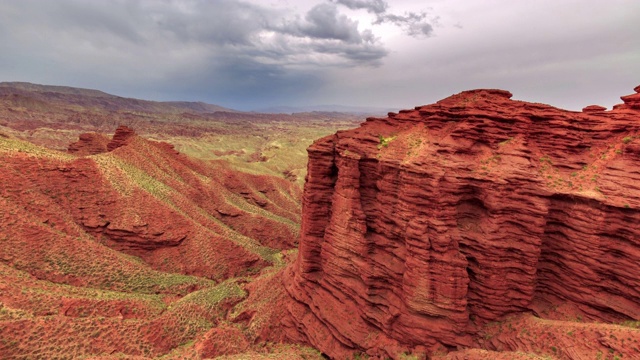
<point>478,227</point>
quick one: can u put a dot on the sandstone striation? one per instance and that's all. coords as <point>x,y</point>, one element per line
<point>422,227</point>
<point>594,108</point>
<point>89,144</point>
<point>121,137</point>
<point>143,199</point>
<point>630,101</point>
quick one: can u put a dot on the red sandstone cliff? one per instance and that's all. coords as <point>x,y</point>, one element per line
<point>421,228</point>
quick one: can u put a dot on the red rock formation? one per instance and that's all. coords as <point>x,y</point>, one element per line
<point>121,137</point>
<point>223,340</point>
<point>89,144</point>
<point>420,228</point>
<point>594,108</point>
<point>630,101</point>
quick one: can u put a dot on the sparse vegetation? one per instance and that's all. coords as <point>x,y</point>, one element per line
<point>385,141</point>
<point>129,299</point>
<point>505,142</point>
<point>169,257</point>
<point>409,356</point>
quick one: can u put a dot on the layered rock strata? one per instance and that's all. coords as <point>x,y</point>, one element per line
<point>144,199</point>
<point>631,101</point>
<point>89,144</point>
<point>121,137</point>
<point>421,227</point>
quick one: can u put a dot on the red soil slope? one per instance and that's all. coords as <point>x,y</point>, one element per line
<point>147,200</point>
<point>426,231</point>
<point>137,251</point>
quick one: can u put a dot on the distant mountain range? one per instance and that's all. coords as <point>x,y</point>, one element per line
<point>102,100</point>
<point>361,110</point>
<point>98,99</point>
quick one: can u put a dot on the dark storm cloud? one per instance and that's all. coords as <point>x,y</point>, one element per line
<point>226,23</point>
<point>241,82</point>
<point>325,31</point>
<point>218,22</point>
<point>324,22</point>
<point>240,48</point>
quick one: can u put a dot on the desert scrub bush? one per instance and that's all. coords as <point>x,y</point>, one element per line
<point>505,142</point>
<point>14,146</point>
<point>249,244</point>
<point>147,182</point>
<point>384,141</point>
<point>627,139</point>
<point>152,281</point>
<point>12,314</point>
<point>631,323</point>
<point>211,297</point>
<point>408,356</point>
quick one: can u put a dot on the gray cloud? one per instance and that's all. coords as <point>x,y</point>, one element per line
<point>324,22</point>
<point>414,24</point>
<point>245,54</point>
<point>372,6</point>
<point>217,22</point>
<point>325,31</point>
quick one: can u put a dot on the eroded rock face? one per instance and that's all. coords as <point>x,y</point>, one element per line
<point>630,101</point>
<point>594,108</point>
<point>144,199</point>
<point>89,144</point>
<point>421,227</point>
<point>121,137</point>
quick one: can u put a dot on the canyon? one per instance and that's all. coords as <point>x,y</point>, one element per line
<point>132,228</point>
<point>477,227</point>
<point>134,250</point>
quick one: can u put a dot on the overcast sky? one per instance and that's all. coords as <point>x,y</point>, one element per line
<point>252,54</point>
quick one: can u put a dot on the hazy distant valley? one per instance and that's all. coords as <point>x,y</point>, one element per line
<point>273,144</point>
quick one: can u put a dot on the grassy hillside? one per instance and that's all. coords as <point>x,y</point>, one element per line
<point>273,144</point>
